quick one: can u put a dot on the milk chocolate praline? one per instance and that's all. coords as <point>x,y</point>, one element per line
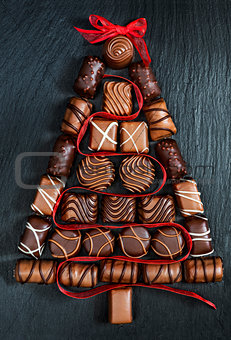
<point>118,52</point>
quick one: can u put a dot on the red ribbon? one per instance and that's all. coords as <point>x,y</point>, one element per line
<point>135,31</point>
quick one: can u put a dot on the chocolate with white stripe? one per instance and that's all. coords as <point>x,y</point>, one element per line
<point>204,269</point>
<point>75,274</point>
<point>162,273</point>
<point>115,271</point>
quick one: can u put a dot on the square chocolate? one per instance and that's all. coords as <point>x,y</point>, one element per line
<point>134,137</point>
<point>155,209</point>
<point>48,192</point>
<point>117,98</point>
<point>118,209</point>
<point>103,135</point>
<point>120,305</point>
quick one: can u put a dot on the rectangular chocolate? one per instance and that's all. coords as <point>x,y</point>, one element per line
<point>35,271</point>
<point>162,273</point>
<point>103,135</point>
<point>204,269</point>
<point>118,209</point>
<point>76,274</point>
<point>120,305</point>
<point>155,209</point>
<point>116,271</point>
<point>134,137</point>
<point>117,98</point>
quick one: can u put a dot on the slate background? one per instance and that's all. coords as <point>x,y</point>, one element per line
<point>189,43</point>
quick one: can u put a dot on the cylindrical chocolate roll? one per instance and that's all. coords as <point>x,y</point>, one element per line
<point>78,275</point>
<point>32,271</point>
<point>164,273</point>
<point>89,77</point>
<point>78,110</point>
<point>115,271</point>
<point>206,269</point>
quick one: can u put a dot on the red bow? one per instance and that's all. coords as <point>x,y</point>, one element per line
<point>135,31</point>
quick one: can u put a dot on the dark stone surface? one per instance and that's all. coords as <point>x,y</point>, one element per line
<point>189,43</point>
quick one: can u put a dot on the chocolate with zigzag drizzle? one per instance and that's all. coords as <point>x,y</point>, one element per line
<point>162,273</point>
<point>206,269</point>
<point>118,209</point>
<point>154,209</point>
<point>79,208</point>
<point>75,274</point>
<point>115,271</point>
<point>35,271</point>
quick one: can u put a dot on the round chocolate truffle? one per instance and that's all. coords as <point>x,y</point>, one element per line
<point>99,242</point>
<point>118,52</point>
<point>137,173</point>
<point>96,173</point>
<point>134,241</point>
<point>168,242</point>
<point>65,243</point>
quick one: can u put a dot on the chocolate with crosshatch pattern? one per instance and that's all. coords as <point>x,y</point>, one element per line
<point>103,134</point>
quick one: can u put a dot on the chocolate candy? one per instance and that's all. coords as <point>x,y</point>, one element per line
<point>117,98</point>
<point>188,197</point>
<point>118,52</point>
<point>78,110</point>
<point>35,271</point>
<point>103,135</point>
<point>78,275</point>
<point>118,209</point>
<point>115,271</point>
<point>134,137</point>
<point>79,208</point>
<point>89,77</point>
<point>154,209</point>
<point>200,270</point>
<point>134,241</point>
<point>159,120</point>
<point>169,154</point>
<point>99,242</point>
<point>65,243</point>
<point>61,163</point>
<point>137,173</point>
<point>120,305</point>
<point>48,192</point>
<point>199,231</point>
<point>33,239</point>
<point>162,273</point>
<point>168,242</point>
<point>96,173</point>
<point>144,78</point>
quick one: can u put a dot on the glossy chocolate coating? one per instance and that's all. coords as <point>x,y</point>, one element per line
<point>103,135</point>
<point>89,77</point>
<point>35,271</point>
<point>120,305</point>
<point>78,110</point>
<point>99,242</point>
<point>170,156</point>
<point>144,78</point>
<point>159,120</point>
<point>162,273</point>
<point>65,243</point>
<point>117,98</point>
<point>79,208</point>
<point>76,274</point>
<point>134,137</point>
<point>134,241</point>
<point>96,173</point>
<point>115,271</point>
<point>118,52</point>
<point>188,197</point>
<point>154,209</point>
<point>204,269</point>
<point>137,173</point>
<point>32,241</point>
<point>60,164</point>
<point>118,209</point>
<point>168,242</point>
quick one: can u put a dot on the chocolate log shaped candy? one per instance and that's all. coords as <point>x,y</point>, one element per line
<point>79,208</point>
<point>89,77</point>
<point>115,271</point>
<point>155,209</point>
<point>206,269</point>
<point>61,163</point>
<point>162,273</point>
<point>118,52</point>
<point>118,209</point>
<point>65,243</point>
<point>134,137</point>
<point>134,241</point>
<point>99,242</point>
<point>78,110</point>
<point>103,135</point>
<point>144,78</point>
<point>33,239</point>
<point>120,305</point>
<point>188,197</point>
<point>170,156</point>
<point>117,98</point>
<point>35,271</point>
<point>159,120</point>
<point>75,274</point>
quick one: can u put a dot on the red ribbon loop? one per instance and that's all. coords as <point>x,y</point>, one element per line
<point>135,31</point>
